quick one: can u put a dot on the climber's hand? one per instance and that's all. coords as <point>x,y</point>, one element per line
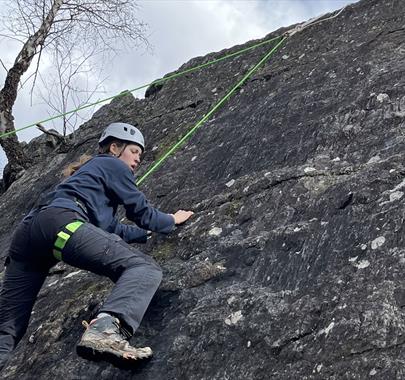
<point>181,216</point>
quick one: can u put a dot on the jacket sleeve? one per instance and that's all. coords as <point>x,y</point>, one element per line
<point>128,233</point>
<point>122,185</point>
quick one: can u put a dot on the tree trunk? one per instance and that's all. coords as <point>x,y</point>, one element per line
<point>17,159</point>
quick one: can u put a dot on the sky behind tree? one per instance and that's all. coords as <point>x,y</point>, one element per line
<point>178,30</point>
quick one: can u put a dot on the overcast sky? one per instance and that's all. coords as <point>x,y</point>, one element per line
<point>178,31</point>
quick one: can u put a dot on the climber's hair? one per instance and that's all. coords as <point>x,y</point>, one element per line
<point>75,166</point>
<point>104,148</point>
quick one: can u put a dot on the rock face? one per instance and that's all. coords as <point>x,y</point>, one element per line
<point>292,267</point>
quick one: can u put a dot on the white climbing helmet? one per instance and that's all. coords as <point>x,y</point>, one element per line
<point>123,131</point>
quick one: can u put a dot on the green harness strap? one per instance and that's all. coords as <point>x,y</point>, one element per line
<point>63,238</point>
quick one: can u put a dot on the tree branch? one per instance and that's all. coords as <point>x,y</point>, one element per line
<point>51,133</point>
<point>4,66</point>
<point>36,73</point>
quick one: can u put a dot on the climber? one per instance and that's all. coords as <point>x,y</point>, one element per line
<point>76,223</point>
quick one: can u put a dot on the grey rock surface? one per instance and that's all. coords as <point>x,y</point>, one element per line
<point>292,267</point>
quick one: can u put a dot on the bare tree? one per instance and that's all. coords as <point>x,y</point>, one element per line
<point>75,79</point>
<point>59,25</point>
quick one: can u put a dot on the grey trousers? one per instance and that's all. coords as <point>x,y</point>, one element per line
<point>136,277</point>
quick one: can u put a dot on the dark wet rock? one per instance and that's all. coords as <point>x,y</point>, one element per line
<point>42,146</point>
<point>293,265</point>
<point>153,89</point>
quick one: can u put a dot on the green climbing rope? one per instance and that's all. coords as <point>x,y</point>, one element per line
<point>209,114</point>
<point>158,81</point>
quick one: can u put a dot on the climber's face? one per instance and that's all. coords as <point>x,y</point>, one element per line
<point>131,154</point>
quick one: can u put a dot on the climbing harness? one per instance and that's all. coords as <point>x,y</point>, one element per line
<point>63,237</point>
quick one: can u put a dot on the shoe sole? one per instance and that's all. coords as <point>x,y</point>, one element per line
<point>114,357</point>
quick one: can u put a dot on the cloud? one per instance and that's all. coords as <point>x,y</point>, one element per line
<point>182,30</point>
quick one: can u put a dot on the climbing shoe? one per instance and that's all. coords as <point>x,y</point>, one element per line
<point>105,339</point>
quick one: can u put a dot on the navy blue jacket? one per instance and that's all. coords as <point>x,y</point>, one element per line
<point>96,190</point>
